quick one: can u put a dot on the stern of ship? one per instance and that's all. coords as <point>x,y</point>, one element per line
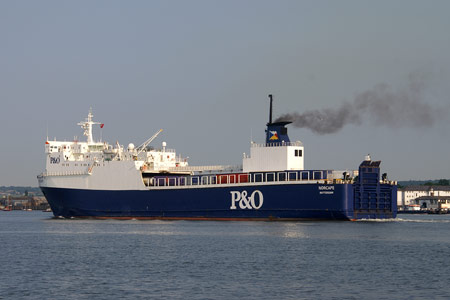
<point>374,197</point>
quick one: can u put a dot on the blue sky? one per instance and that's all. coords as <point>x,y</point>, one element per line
<point>202,70</point>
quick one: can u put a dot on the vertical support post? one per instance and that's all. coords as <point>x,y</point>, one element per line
<point>270,110</point>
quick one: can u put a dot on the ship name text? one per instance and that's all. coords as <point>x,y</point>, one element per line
<point>326,189</point>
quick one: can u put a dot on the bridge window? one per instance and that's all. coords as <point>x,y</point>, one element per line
<point>298,152</point>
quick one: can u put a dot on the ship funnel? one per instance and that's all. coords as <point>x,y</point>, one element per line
<point>276,133</point>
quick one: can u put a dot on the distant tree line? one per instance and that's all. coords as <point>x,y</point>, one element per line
<point>443,182</point>
<point>21,190</point>
<point>440,182</point>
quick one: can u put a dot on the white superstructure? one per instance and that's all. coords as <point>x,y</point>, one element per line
<point>99,165</point>
<point>283,156</point>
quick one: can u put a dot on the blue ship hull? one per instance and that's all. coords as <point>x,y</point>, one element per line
<point>271,202</point>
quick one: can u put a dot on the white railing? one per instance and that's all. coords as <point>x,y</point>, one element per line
<point>280,144</point>
<point>46,174</point>
<point>224,168</point>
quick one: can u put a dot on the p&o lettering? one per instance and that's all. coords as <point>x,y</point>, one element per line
<point>54,160</point>
<point>254,201</point>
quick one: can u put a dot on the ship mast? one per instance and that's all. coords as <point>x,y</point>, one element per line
<point>87,127</point>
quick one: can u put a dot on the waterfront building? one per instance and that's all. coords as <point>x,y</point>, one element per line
<point>433,202</point>
<point>409,197</point>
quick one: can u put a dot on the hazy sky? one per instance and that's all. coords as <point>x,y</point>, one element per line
<point>202,70</point>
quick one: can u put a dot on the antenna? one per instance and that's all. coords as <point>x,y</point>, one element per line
<point>87,126</point>
<point>270,110</point>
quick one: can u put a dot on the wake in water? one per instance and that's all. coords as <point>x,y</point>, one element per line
<point>447,220</point>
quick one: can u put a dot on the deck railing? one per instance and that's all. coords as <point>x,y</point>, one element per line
<point>280,144</point>
<point>240,178</point>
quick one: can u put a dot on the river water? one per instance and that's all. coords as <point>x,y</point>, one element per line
<point>46,258</point>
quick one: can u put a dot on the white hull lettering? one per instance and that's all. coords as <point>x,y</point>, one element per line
<point>326,189</point>
<point>244,202</point>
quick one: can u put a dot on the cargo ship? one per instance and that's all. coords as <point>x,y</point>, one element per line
<point>95,179</point>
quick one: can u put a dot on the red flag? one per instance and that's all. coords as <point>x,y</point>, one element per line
<point>101,125</point>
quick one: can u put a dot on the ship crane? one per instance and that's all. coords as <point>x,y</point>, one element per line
<point>145,144</point>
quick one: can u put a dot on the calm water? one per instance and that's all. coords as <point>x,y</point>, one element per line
<point>44,258</point>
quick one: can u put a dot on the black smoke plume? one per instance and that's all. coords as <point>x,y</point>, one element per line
<point>381,105</point>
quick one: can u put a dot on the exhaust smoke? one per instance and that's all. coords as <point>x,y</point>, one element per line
<point>381,104</point>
